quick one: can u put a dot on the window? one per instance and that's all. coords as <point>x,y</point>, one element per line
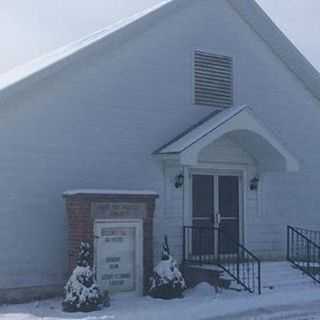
<point>213,79</point>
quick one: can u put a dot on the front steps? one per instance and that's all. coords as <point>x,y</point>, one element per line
<point>282,275</point>
<point>274,275</point>
<point>195,274</point>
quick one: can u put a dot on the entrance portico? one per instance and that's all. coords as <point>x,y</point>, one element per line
<point>222,159</point>
<point>241,126</point>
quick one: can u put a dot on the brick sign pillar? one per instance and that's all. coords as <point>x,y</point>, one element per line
<point>83,208</point>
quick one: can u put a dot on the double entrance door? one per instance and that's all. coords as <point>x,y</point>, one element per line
<point>215,214</point>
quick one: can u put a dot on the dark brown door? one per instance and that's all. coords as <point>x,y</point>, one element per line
<point>229,213</point>
<point>203,238</point>
<point>215,203</point>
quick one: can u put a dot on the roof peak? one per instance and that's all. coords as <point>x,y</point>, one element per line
<point>25,70</point>
<point>249,10</point>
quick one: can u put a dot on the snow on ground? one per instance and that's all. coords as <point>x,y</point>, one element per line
<point>200,303</point>
<point>299,301</point>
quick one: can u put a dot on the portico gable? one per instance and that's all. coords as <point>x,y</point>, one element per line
<point>241,126</point>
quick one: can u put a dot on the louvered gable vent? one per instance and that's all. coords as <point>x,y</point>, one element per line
<point>213,80</point>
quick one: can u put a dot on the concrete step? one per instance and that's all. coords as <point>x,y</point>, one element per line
<point>288,275</point>
<point>274,276</point>
<point>288,283</point>
<point>277,275</point>
<point>195,274</point>
<point>270,266</point>
<point>283,278</point>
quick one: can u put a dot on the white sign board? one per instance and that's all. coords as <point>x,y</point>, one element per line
<point>119,256</point>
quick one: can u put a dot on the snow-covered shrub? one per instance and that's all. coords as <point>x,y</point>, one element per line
<point>81,290</point>
<point>167,281</point>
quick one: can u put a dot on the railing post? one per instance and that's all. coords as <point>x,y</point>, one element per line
<point>288,243</point>
<point>259,277</point>
<point>317,265</point>
<point>184,245</point>
<point>201,249</point>
<point>238,266</point>
<point>217,236</point>
<point>308,256</point>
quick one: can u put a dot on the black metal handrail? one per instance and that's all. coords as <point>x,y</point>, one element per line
<point>313,235</point>
<point>303,252</point>
<point>213,246</point>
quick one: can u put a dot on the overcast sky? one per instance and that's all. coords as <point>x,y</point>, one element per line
<point>30,28</point>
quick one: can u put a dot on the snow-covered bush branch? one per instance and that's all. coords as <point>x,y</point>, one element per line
<point>81,290</point>
<point>167,281</point>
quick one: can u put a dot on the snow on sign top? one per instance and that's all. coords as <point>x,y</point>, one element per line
<point>109,191</point>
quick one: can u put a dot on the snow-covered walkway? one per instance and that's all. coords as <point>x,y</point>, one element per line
<point>309,311</point>
<point>294,296</point>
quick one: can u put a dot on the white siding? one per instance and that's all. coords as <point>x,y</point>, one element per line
<point>173,213</point>
<point>225,151</point>
<point>96,121</point>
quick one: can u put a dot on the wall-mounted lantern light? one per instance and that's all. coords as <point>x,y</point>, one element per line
<point>254,183</point>
<point>178,181</point>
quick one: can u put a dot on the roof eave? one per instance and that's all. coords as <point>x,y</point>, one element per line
<point>42,66</point>
<point>279,43</point>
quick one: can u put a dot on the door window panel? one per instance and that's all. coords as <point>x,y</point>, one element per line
<point>202,193</point>
<point>229,196</point>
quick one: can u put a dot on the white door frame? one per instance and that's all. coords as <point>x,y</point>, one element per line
<point>135,223</point>
<point>240,171</point>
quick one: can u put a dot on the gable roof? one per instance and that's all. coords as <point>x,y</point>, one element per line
<point>239,123</point>
<point>260,22</point>
<point>195,133</point>
<point>24,71</point>
<point>249,10</point>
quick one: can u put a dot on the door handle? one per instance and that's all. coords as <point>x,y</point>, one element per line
<point>217,219</point>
